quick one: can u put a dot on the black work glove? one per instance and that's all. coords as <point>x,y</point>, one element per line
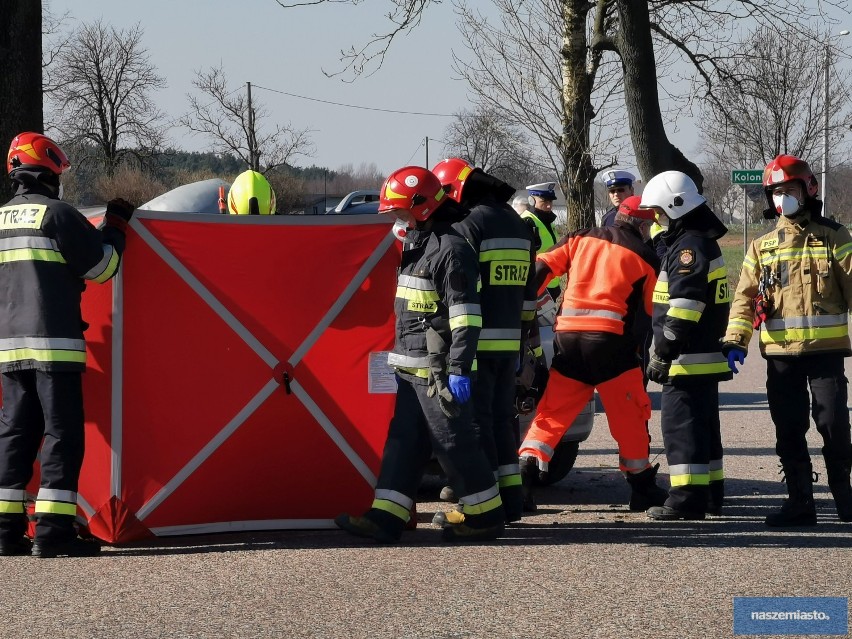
<point>447,403</point>
<point>658,370</point>
<point>118,213</point>
<point>524,401</point>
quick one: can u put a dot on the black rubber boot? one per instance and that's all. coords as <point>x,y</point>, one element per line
<point>513,502</point>
<point>841,490</point>
<point>716,497</point>
<point>799,508</point>
<point>644,491</point>
<point>15,547</point>
<point>667,513</point>
<point>72,548</point>
<point>529,474</point>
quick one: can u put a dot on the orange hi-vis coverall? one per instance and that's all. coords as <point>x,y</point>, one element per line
<point>611,276</point>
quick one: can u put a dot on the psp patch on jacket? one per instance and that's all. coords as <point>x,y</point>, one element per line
<point>686,258</point>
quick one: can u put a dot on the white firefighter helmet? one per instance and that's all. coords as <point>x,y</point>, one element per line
<point>673,192</point>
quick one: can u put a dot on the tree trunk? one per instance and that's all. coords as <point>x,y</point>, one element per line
<point>654,152</point>
<point>578,177</point>
<point>20,90</point>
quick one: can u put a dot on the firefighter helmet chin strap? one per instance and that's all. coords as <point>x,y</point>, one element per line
<point>400,230</point>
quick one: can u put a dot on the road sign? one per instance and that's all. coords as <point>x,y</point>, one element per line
<point>747,176</point>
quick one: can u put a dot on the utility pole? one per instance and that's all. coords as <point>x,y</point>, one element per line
<point>826,110</point>
<point>427,151</point>
<point>826,120</point>
<point>254,159</point>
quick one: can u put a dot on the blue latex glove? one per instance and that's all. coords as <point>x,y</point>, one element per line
<point>735,356</point>
<point>459,387</point>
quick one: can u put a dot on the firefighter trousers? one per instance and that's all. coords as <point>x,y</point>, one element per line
<point>787,383</point>
<point>689,415</point>
<point>493,419</point>
<point>38,406</point>
<point>627,408</point>
<point>418,428</point>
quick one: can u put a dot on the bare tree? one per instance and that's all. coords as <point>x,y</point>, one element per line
<point>232,123</point>
<point>487,140</point>
<point>103,80</point>
<point>543,84</point>
<point>20,90</point>
<point>644,35</point>
<point>771,101</point>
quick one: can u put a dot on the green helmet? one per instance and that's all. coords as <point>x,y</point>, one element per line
<point>251,194</point>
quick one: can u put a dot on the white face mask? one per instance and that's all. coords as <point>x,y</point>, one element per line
<point>786,204</point>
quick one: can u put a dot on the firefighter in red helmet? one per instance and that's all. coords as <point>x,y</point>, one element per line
<point>44,353</point>
<point>611,274</point>
<point>438,322</point>
<point>508,300</point>
<point>796,287</point>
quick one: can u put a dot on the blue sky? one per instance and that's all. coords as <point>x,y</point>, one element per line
<point>257,41</point>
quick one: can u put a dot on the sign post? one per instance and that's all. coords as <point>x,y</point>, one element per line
<point>746,177</point>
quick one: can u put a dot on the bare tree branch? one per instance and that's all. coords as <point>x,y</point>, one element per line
<point>222,114</point>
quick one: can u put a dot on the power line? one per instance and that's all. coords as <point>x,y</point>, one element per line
<point>415,153</point>
<point>175,121</point>
<point>354,106</point>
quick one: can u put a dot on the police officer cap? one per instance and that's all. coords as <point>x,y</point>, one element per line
<point>618,178</point>
<point>545,190</point>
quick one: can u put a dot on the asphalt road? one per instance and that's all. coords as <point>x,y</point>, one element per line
<point>584,566</point>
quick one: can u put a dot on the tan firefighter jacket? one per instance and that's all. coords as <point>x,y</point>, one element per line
<point>803,270</point>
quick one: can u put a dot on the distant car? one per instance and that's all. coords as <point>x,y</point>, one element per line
<point>363,202</point>
<point>195,197</point>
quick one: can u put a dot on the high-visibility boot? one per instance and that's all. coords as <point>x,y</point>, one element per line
<point>465,532</point>
<point>375,524</point>
<point>799,508</point>
<point>841,490</point>
<point>644,491</point>
<point>482,517</point>
<point>451,518</point>
<point>716,497</point>
<point>529,475</point>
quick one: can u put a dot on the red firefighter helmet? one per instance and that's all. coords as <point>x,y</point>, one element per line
<point>630,206</point>
<point>413,188</point>
<point>453,173</point>
<point>34,149</point>
<point>785,168</point>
